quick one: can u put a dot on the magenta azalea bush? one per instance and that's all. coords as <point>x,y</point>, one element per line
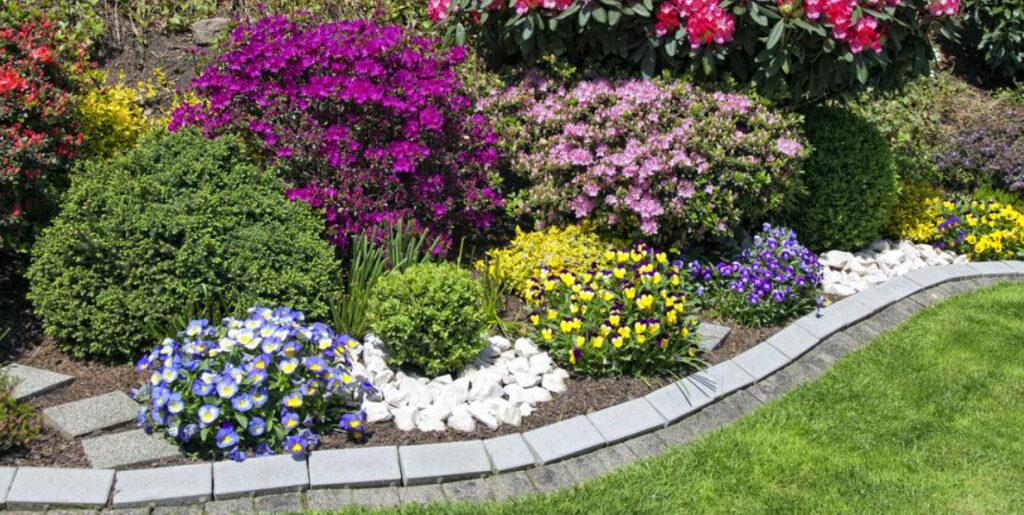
<point>367,123</point>
<point>646,160</point>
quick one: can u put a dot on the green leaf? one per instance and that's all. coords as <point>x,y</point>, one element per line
<point>862,73</point>
<point>460,34</point>
<point>776,34</point>
<point>755,14</point>
<point>601,15</point>
<point>614,17</point>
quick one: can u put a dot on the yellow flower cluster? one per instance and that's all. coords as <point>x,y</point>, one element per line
<point>573,248</point>
<point>913,217</point>
<point>113,116</point>
<point>984,231</point>
<point>627,317</point>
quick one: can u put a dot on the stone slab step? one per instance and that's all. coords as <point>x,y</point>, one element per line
<point>133,447</point>
<point>30,381</point>
<point>711,335</point>
<point>86,416</point>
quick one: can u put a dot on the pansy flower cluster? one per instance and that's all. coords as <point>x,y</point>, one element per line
<point>628,317</point>
<point>983,231</point>
<point>775,279</point>
<point>258,386</point>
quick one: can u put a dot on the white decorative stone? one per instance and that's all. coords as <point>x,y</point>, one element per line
<point>376,412</point>
<point>516,394</point>
<point>844,273</point>
<point>540,364</point>
<point>537,395</point>
<point>462,420</point>
<point>428,424</point>
<point>525,347</point>
<point>502,385</point>
<point>500,343</point>
<point>485,388</point>
<point>482,414</point>
<point>527,380</point>
<point>553,383</point>
<point>406,418</point>
<point>836,259</point>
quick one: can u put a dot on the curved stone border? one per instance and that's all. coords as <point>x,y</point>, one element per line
<point>559,455</point>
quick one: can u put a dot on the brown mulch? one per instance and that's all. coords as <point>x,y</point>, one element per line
<point>28,345</point>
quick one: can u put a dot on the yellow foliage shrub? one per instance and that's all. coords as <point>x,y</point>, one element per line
<point>914,216</point>
<point>113,116</point>
<point>572,248</point>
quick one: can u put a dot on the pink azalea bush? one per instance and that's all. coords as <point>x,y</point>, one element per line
<point>789,48</point>
<point>646,159</point>
<point>367,123</point>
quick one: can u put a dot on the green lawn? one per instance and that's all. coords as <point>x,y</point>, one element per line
<point>929,418</point>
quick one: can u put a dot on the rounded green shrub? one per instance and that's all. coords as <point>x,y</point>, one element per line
<point>429,316</point>
<point>849,182</point>
<point>144,237</point>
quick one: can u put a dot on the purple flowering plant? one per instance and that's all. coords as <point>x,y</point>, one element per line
<point>259,386</point>
<point>987,151</point>
<point>645,160</point>
<point>367,123</point>
<point>775,279</point>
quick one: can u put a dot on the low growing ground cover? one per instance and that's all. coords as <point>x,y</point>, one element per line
<point>924,419</point>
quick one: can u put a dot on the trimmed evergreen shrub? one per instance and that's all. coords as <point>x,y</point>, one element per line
<point>849,182</point>
<point>142,238</point>
<point>429,316</point>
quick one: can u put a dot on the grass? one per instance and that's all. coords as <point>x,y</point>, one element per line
<point>926,419</point>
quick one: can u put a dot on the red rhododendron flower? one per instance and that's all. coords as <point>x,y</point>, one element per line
<point>10,81</point>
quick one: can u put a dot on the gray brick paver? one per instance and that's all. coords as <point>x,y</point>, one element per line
<point>93,414</point>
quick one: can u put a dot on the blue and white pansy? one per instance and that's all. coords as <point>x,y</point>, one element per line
<point>253,386</point>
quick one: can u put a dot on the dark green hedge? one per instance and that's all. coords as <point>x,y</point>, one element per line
<point>143,237</point>
<point>849,182</point>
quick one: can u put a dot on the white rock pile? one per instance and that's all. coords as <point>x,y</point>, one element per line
<point>503,385</point>
<point>846,273</point>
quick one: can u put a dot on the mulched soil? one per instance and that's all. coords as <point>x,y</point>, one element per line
<point>28,345</point>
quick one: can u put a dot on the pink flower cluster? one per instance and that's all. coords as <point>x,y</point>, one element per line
<point>642,159</point>
<point>706,21</point>
<point>367,123</point>
<point>944,7</point>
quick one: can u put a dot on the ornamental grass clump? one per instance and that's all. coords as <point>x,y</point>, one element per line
<point>39,135</point>
<point>630,316</point>
<point>983,231</point>
<point>368,124</point>
<point>257,386</point>
<point>649,160</point>
<point>775,279</point>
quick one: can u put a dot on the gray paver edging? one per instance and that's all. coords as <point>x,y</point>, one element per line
<point>676,413</point>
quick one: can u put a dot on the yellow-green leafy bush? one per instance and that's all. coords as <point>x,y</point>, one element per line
<point>113,116</point>
<point>572,248</point>
<point>913,217</point>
